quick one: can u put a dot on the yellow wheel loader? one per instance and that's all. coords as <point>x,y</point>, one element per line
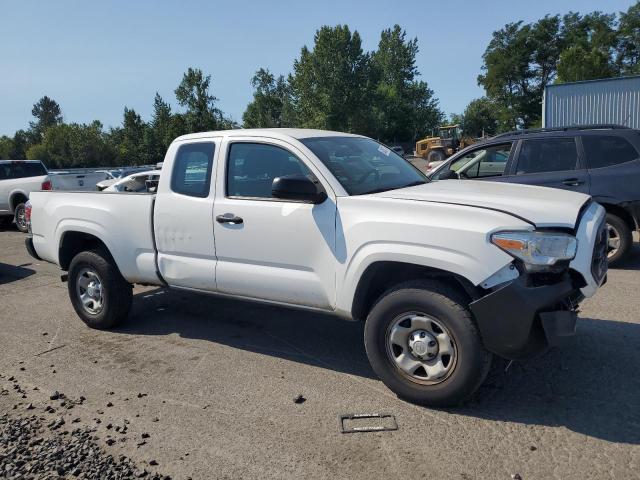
<point>448,142</point>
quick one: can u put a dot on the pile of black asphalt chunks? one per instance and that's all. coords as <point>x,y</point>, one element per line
<point>43,445</point>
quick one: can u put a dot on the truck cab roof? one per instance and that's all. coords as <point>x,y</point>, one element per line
<point>281,133</point>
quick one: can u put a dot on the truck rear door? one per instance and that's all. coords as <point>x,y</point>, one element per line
<point>183,215</point>
<point>551,162</point>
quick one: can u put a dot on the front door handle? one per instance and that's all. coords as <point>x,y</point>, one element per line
<point>572,182</point>
<point>229,218</point>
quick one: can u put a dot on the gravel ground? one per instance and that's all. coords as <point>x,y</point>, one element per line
<point>200,387</point>
<point>36,442</point>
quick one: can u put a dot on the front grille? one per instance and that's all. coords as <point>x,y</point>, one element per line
<point>600,250</point>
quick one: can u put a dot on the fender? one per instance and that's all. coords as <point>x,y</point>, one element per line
<point>143,261</point>
<point>459,263</point>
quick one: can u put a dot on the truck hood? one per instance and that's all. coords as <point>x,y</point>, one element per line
<point>541,206</point>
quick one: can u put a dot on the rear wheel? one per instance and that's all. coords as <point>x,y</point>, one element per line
<point>422,342</point>
<point>620,239</point>
<point>99,294</point>
<point>21,218</point>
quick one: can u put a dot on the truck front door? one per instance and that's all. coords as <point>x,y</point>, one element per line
<point>183,215</point>
<point>268,248</point>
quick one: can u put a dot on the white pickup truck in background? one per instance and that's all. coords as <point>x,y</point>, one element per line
<point>446,274</point>
<point>18,178</point>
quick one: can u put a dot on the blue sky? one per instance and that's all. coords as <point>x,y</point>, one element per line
<point>96,57</point>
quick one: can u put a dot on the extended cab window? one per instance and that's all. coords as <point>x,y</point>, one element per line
<point>252,167</point>
<point>607,150</point>
<point>191,173</point>
<point>547,155</point>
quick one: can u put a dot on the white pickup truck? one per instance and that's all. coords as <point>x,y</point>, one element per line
<point>18,178</point>
<point>446,274</point>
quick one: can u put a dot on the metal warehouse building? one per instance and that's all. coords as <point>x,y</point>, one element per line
<point>614,100</point>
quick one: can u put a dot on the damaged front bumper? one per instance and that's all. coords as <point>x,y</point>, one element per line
<point>519,320</point>
<point>525,316</point>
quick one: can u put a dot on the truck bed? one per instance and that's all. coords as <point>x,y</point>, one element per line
<point>123,221</point>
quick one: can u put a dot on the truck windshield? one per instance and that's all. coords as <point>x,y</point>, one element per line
<point>362,165</point>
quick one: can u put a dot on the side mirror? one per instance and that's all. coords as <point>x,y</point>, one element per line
<point>298,187</point>
<point>449,175</point>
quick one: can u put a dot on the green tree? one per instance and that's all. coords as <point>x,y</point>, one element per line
<point>404,107</point>
<point>628,52</point>
<point>508,78</point>
<point>193,94</point>
<point>6,147</point>
<point>160,132</point>
<point>271,105</point>
<point>588,44</point>
<point>21,142</point>
<point>73,145</point>
<point>330,83</point>
<point>47,113</point>
<point>521,59</point>
<point>577,64</point>
<point>129,140</point>
<point>480,118</point>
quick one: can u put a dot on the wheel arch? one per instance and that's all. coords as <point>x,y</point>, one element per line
<point>73,242</point>
<point>621,212</point>
<point>16,198</point>
<point>380,276</point>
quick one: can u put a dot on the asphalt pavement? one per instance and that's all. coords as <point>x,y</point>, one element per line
<point>216,388</point>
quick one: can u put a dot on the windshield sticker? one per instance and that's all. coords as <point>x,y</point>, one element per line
<point>384,150</point>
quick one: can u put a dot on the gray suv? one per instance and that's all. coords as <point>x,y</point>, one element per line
<point>600,160</point>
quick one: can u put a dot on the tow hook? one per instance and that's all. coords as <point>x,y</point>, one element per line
<point>64,277</point>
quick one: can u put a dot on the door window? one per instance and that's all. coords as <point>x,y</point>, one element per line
<point>480,163</point>
<point>607,150</point>
<point>192,169</point>
<point>547,155</point>
<point>252,167</point>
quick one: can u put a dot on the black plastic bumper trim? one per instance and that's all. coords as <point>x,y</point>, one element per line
<point>507,317</point>
<point>28,243</point>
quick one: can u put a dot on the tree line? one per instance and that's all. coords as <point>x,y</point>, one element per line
<point>522,58</point>
<point>336,85</point>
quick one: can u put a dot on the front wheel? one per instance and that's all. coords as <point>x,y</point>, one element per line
<point>435,156</point>
<point>422,342</point>
<point>99,294</point>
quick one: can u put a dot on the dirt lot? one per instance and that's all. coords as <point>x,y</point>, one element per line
<point>212,382</point>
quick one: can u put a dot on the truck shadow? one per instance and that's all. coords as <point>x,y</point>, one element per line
<point>13,273</point>
<point>307,337</point>
<point>591,386</point>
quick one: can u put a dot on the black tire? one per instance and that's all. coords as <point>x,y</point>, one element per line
<point>116,293</point>
<point>623,232</point>
<point>435,156</point>
<point>449,307</point>
<point>20,218</point>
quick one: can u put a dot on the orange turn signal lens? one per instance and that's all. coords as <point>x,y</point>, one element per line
<point>509,243</point>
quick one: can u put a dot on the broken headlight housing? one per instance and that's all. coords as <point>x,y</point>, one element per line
<point>538,251</point>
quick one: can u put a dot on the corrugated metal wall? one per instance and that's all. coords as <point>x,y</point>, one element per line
<point>598,101</point>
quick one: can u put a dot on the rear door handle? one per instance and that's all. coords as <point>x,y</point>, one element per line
<point>229,218</point>
<point>572,182</point>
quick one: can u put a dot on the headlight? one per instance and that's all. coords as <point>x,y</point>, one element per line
<point>538,250</point>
